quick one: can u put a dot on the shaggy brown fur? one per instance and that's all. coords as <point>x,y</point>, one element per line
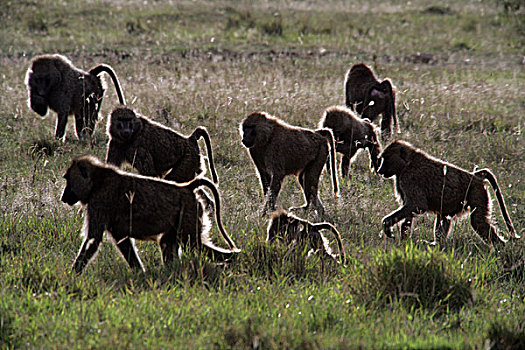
<point>131,207</point>
<point>426,184</point>
<point>369,97</point>
<point>292,229</point>
<point>351,134</point>
<point>52,81</point>
<point>154,149</point>
<point>278,149</point>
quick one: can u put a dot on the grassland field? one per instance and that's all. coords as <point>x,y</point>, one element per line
<point>191,63</point>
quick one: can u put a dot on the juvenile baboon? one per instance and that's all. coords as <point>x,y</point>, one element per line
<point>370,97</point>
<point>130,206</point>
<point>53,81</point>
<point>278,149</point>
<point>154,149</point>
<point>426,184</point>
<point>292,229</point>
<point>351,133</point>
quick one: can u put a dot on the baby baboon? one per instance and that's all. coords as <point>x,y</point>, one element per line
<point>426,184</point>
<point>369,97</point>
<point>154,149</point>
<point>278,149</point>
<point>132,206</point>
<point>351,134</point>
<point>52,81</point>
<point>292,229</point>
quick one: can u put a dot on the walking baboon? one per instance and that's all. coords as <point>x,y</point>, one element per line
<point>369,97</point>
<point>426,184</point>
<point>154,149</point>
<point>292,229</point>
<point>351,134</point>
<point>53,81</point>
<point>278,149</point>
<point>131,206</point>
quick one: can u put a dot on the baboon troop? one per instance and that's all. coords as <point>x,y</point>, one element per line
<point>168,202</point>
<point>130,206</point>
<point>370,97</point>
<point>278,149</point>
<point>292,229</point>
<point>426,184</point>
<point>155,150</point>
<point>53,81</point>
<point>351,134</point>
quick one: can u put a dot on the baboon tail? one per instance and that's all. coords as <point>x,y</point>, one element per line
<point>330,227</point>
<point>198,182</point>
<point>327,133</point>
<point>201,132</point>
<point>488,175</point>
<point>106,68</point>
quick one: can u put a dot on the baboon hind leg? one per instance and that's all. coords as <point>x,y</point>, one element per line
<point>480,221</point>
<point>129,253</point>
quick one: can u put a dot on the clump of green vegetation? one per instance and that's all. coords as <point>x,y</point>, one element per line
<point>418,278</point>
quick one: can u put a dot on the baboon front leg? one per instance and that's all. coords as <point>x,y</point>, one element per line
<point>60,130</point>
<point>403,213</point>
<point>129,253</point>
<point>441,228</point>
<point>275,188</point>
<point>89,247</point>
<point>265,180</point>
<point>406,226</point>
<point>386,124</point>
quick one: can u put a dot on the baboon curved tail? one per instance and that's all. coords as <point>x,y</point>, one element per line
<point>201,132</point>
<point>217,199</point>
<point>327,133</point>
<point>106,68</point>
<point>330,227</point>
<point>488,175</point>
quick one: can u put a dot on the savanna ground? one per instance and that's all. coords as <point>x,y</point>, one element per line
<point>209,63</point>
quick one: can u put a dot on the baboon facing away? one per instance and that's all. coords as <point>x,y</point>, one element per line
<point>426,184</point>
<point>370,97</point>
<point>292,229</point>
<point>154,149</point>
<point>130,206</point>
<point>278,149</point>
<point>52,81</point>
<point>351,133</point>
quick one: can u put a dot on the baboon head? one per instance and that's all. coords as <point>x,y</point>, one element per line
<point>79,180</point>
<point>256,129</point>
<point>41,78</point>
<point>394,159</point>
<point>379,99</point>
<point>124,125</point>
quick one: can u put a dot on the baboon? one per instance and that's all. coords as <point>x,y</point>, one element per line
<point>131,206</point>
<point>426,184</point>
<point>351,134</point>
<point>278,149</point>
<point>53,81</point>
<point>369,97</point>
<point>292,229</point>
<point>155,150</point>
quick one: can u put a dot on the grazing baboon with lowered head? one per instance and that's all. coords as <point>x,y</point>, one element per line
<point>369,97</point>
<point>130,206</point>
<point>292,229</point>
<point>278,149</point>
<point>53,81</point>
<point>351,134</point>
<point>154,149</point>
<point>426,184</point>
